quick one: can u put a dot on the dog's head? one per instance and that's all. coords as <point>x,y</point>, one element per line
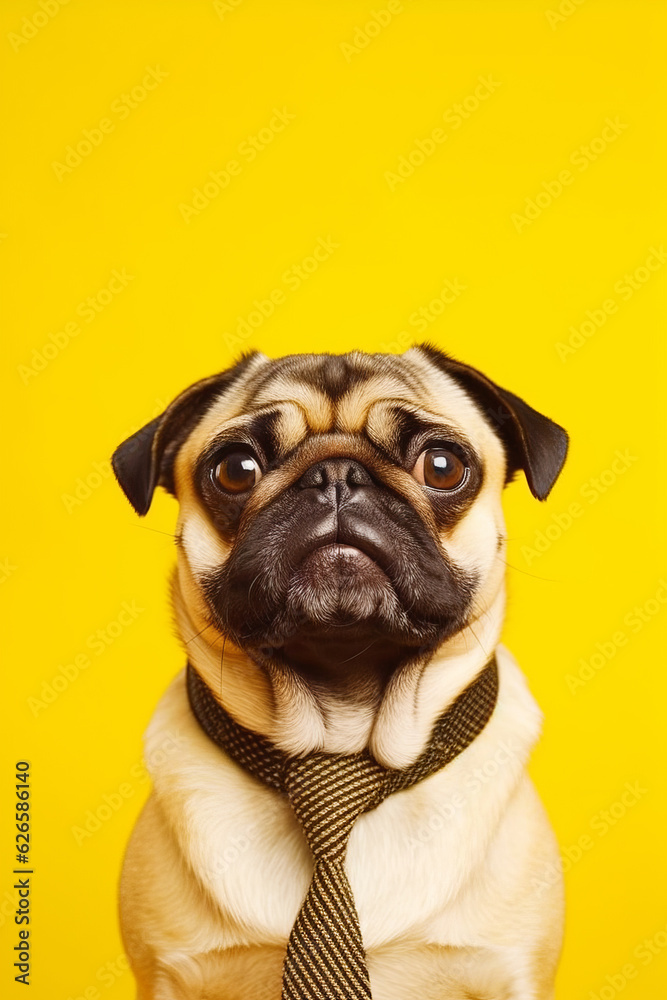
<point>336,502</point>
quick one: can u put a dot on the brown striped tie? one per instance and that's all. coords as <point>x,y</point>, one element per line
<point>325,957</point>
<point>325,952</point>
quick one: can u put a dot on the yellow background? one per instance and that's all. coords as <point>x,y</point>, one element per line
<point>70,566</point>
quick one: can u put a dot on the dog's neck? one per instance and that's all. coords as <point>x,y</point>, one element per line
<point>393,716</point>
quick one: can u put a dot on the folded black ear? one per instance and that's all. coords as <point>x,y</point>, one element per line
<point>532,441</point>
<point>145,460</point>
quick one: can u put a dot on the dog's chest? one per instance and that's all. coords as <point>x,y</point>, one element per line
<point>402,864</point>
<point>407,861</point>
<point>410,864</point>
<point>441,872</point>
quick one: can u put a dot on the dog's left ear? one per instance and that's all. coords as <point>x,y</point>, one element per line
<point>532,441</point>
<point>145,460</point>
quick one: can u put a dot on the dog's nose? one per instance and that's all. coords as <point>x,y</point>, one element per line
<point>333,473</point>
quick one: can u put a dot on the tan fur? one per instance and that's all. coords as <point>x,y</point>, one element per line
<point>447,876</point>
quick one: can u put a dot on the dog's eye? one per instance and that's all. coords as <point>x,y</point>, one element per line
<point>237,472</point>
<point>440,469</point>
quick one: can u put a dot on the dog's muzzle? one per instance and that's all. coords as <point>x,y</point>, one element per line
<point>338,550</point>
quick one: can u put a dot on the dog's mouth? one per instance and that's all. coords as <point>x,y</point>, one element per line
<point>341,585</point>
<point>344,560</point>
<point>338,585</point>
<point>344,543</point>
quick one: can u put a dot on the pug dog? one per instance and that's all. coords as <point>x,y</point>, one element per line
<point>340,582</point>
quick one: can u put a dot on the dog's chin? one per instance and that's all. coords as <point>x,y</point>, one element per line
<point>340,609</point>
<point>341,613</point>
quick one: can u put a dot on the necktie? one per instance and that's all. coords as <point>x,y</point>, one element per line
<point>325,957</point>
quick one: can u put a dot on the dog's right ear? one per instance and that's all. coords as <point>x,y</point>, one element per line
<point>146,459</point>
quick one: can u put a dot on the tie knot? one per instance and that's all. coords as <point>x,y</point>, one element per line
<point>328,792</point>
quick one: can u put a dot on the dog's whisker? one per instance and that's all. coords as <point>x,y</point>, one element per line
<point>197,634</point>
<point>533,576</point>
<point>360,653</point>
<point>158,531</point>
<point>478,640</point>
<point>255,579</point>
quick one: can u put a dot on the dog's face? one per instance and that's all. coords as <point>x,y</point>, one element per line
<point>329,504</point>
